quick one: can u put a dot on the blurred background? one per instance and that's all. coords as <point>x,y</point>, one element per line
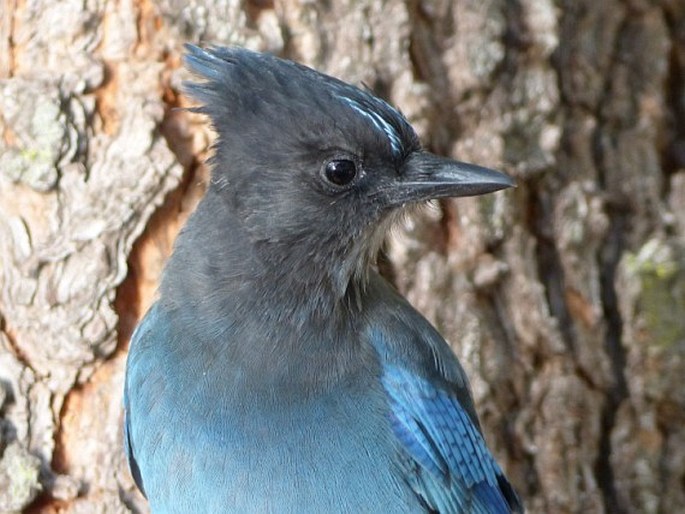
<point>563,298</point>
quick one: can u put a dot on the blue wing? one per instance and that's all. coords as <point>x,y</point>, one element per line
<point>454,470</point>
<point>431,411</point>
<point>152,322</point>
<point>128,448</point>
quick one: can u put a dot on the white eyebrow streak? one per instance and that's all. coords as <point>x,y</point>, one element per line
<point>378,121</point>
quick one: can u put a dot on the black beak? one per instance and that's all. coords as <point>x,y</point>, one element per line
<point>425,176</point>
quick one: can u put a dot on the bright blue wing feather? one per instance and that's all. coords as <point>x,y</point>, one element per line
<point>456,471</point>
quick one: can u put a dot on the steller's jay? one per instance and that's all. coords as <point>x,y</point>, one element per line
<point>278,372</point>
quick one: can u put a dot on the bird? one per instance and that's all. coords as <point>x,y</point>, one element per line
<point>277,370</point>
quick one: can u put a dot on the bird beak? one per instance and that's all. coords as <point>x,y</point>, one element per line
<point>425,176</point>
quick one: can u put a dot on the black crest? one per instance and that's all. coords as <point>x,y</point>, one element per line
<point>255,97</point>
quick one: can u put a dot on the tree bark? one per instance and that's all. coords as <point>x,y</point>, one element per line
<point>564,298</point>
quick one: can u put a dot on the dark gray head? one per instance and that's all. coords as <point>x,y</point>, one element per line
<point>313,166</point>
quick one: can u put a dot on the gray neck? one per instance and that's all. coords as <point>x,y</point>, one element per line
<point>284,322</point>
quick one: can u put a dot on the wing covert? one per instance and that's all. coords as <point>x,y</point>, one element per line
<point>455,472</point>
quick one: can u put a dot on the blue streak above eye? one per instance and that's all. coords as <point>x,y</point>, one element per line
<point>378,121</point>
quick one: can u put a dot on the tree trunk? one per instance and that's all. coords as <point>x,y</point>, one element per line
<point>564,298</point>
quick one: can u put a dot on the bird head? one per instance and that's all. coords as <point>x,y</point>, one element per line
<point>315,168</point>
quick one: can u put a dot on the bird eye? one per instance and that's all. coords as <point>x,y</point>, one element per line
<point>340,171</point>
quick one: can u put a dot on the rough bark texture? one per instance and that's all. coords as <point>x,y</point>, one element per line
<point>564,298</point>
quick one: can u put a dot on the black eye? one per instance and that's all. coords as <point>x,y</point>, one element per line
<point>340,171</point>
